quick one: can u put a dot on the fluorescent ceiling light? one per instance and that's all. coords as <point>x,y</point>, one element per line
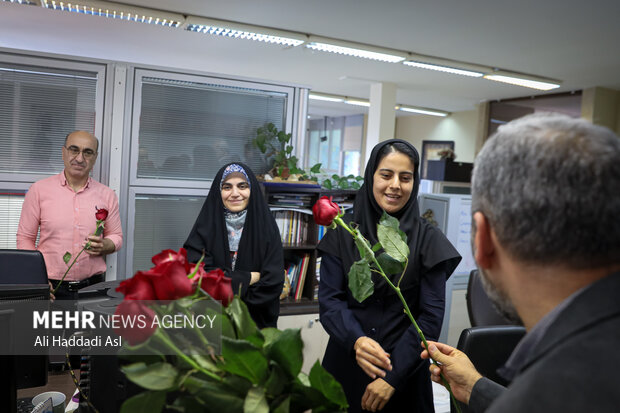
<point>26,2</point>
<point>443,68</point>
<point>243,31</point>
<point>422,111</point>
<point>522,81</point>
<point>326,98</point>
<point>117,11</point>
<point>357,102</point>
<point>354,49</point>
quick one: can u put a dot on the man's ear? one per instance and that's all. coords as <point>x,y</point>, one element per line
<point>484,249</point>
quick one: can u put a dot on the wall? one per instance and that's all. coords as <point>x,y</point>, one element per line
<point>460,127</point>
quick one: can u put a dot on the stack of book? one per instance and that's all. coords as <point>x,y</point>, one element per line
<point>293,226</point>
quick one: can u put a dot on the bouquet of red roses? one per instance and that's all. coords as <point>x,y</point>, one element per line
<point>253,370</point>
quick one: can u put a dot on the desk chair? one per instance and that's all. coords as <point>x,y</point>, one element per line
<point>22,267</point>
<point>479,307</point>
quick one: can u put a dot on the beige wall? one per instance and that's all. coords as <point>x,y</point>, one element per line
<point>460,127</point>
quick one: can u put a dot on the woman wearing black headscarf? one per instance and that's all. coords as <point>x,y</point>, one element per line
<point>373,350</point>
<point>238,234</point>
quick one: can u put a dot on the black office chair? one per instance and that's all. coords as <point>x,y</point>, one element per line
<point>22,267</point>
<point>488,348</point>
<point>479,307</point>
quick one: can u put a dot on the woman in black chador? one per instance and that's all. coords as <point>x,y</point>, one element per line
<point>373,349</point>
<point>238,234</point>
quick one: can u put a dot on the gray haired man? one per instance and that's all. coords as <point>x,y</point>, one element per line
<point>546,237</point>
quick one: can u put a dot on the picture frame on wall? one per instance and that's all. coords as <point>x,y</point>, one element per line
<point>430,152</point>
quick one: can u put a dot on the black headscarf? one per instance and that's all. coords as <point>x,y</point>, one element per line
<point>428,246</point>
<point>260,249</point>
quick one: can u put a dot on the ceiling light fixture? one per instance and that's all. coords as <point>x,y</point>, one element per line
<point>117,11</point>
<point>523,80</point>
<point>243,31</point>
<point>440,68</point>
<point>357,102</point>
<point>325,97</point>
<point>355,49</point>
<point>422,111</point>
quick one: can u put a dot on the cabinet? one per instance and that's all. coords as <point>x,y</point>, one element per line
<point>291,204</point>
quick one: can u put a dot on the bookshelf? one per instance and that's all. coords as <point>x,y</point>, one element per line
<point>291,206</point>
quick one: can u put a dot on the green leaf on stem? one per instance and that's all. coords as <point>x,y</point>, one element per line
<point>389,264</point>
<point>360,280</point>
<point>100,226</point>
<point>281,406</point>
<point>327,184</point>
<point>316,168</point>
<point>244,359</point>
<point>376,247</point>
<point>147,402</point>
<point>243,323</point>
<point>255,401</point>
<point>286,350</point>
<point>326,384</point>
<point>67,257</point>
<point>392,238</point>
<point>270,334</point>
<point>361,244</point>
<point>237,384</point>
<point>277,380</point>
<point>156,376</point>
<point>217,396</point>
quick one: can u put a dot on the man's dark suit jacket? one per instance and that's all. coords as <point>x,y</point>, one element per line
<point>574,367</point>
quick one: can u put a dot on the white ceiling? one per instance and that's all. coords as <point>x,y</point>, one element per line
<point>574,41</point>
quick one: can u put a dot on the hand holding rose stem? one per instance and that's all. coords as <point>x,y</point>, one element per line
<point>100,215</point>
<point>329,214</point>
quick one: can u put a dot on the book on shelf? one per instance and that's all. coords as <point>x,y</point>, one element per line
<point>293,226</point>
<point>295,273</point>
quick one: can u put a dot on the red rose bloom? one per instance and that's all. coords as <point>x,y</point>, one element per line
<point>170,280</point>
<point>101,214</point>
<point>138,287</point>
<point>136,321</point>
<point>171,255</point>
<point>217,285</point>
<point>324,211</point>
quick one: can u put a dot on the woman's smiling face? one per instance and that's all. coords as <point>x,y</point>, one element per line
<point>393,182</point>
<point>235,192</point>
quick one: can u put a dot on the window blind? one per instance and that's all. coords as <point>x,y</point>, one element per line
<point>188,130</point>
<point>38,107</point>
<point>10,210</point>
<point>161,222</point>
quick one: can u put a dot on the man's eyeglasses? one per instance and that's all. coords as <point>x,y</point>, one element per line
<point>86,153</point>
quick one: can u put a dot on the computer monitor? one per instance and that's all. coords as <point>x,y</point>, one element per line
<point>18,371</point>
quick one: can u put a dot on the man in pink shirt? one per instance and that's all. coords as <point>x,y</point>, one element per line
<point>63,206</point>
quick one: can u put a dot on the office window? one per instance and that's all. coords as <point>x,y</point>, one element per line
<point>38,107</point>
<point>336,143</point>
<point>10,210</point>
<point>162,222</point>
<point>189,129</point>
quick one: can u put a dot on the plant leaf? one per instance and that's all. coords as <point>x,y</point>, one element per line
<point>270,334</point>
<point>67,257</point>
<point>327,184</point>
<point>277,381</point>
<point>361,244</point>
<point>255,401</point>
<point>360,280</point>
<point>355,185</point>
<point>283,406</point>
<point>241,319</point>
<point>156,376</point>
<point>286,350</point>
<point>376,247</point>
<point>316,168</point>
<point>327,384</point>
<point>389,264</point>
<point>244,359</point>
<point>215,395</point>
<point>146,402</point>
<point>391,238</point>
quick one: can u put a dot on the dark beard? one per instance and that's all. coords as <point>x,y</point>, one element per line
<point>500,301</point>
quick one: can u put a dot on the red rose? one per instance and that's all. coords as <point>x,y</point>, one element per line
<point>325,211</point>
<point>138,287</point>
<point>170,280</point>
<point>136,321</point>
<point>217,285</point>
<point>101,214</point>
<point>171,255</point>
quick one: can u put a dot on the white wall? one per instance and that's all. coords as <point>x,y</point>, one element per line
<point>460,127</point>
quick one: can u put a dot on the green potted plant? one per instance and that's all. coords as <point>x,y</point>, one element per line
<point>276,145</point>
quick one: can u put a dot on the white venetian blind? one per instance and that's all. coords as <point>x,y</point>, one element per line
<point>10,210</point>
<point>188,130</point>
<point>162,222</point>
<point>38,107</point>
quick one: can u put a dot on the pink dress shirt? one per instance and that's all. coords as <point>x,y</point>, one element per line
<point>66,218</point>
